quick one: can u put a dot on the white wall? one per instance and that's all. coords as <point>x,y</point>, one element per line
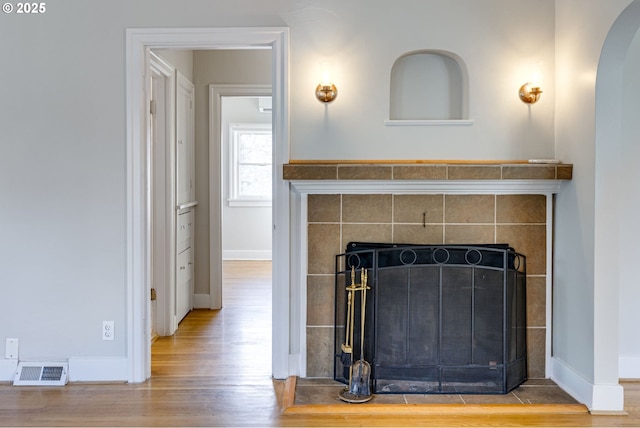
<point>182,60</point>
<point>629,214</point>
<point>246,231</point>
<point>62,172</point>
<point>585,343</point>
<point>362,43</point>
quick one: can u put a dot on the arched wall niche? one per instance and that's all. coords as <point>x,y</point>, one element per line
<point>428,85</point>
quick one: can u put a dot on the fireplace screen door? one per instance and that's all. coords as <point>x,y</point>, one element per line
<point>439,319</point>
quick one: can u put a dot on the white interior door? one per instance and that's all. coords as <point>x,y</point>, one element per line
<point>163,252</point>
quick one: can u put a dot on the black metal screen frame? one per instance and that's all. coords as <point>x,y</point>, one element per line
<point>438,377</point>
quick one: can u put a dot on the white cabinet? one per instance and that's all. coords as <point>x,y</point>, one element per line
<point>184,268</point>
<point>184,140</point>
<point>185,196</point>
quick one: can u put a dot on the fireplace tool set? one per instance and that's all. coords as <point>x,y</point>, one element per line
<point>358,390</point>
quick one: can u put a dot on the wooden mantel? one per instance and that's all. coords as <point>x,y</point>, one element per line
<point>426,170</point>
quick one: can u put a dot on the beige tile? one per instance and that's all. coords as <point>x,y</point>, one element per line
<point>310,172</point>
<point>324,244</point>
<point>469,234</point>
<point>419,172</point>
<point>364,172</point>
<point>305,382</point>
<point>318,394</point>
<point>521,209</point>
<point>469,209</point>
<point>365,233</point>
<point>320,300</point>
<point>388,399</point>
<point>366,208</point>
<point>410,208</point>
<point>491,399</point>
<point>529,172</point>
<point>529,240</point>
<point>539,382</point>
<point>320,351</point>
<point>538,394</point>
<point>474,172</point>
<point>536,301</point>
<point>536,348</point>
<point>417,234</point>
<point>324,208</point>
<point>434,399</point>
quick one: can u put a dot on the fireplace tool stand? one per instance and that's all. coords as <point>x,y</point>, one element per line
<point>359,389</point>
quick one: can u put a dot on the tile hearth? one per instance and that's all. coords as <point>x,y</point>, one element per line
<point>538,391</point>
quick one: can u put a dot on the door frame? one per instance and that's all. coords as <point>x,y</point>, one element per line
<point>216,92</point>
<point>138,43</point>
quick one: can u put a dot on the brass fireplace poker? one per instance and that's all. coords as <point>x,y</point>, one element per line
<point>346,357</point>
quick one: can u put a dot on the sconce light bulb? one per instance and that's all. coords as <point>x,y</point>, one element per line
<point>326,92</point>
<point>325,73</point>
<point>529,94</point>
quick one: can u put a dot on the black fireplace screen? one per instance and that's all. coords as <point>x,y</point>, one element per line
<point>438,318</point>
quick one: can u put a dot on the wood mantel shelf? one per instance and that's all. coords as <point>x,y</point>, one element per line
<point>426,170</point>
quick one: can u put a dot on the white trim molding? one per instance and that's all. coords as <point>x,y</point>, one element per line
<point>629,366</point>
<point>300,189</point>
<point>216,92</point>
<point>200,301</point>
<point>97,369</point>
<point>8,367</point>
<point>597,397</point>
<point>138,43</point>
<point>407,187</point>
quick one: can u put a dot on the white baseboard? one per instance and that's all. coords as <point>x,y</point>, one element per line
<point>598,398</point>
<point>201,301</point>
<point>8,369</point>
<point>246,254</point>
<point>629,367</point>
<point>608,398</point>
<point>570,381</point>
<point>97,369</point>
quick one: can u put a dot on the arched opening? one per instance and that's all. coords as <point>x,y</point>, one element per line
<point>615,230</point>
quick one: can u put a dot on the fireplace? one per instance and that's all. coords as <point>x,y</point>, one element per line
<point>439,318</point>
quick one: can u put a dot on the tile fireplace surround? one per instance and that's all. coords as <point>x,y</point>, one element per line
<point>462,202</point>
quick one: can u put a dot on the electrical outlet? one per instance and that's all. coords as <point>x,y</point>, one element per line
<point>108,330</point>
<point>11,349</point>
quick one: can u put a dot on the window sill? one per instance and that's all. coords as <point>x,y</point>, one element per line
<point>249,202</point>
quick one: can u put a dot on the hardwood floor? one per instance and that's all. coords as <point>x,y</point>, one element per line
<point>215,371</point>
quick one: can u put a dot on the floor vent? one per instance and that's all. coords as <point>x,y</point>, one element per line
<point>41,374</point>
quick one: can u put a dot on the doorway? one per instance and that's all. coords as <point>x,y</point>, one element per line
<point>139,43</point>
<point>220,188</point>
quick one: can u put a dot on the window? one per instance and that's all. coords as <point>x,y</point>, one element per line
<point>250,164</point>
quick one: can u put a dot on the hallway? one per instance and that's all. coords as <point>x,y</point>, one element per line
<point>228,345</point>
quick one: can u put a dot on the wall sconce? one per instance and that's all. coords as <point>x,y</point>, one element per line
<point>529,93</point>
<point>326,91</point>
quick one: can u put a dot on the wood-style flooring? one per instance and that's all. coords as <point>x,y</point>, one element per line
<point>215,371</point>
